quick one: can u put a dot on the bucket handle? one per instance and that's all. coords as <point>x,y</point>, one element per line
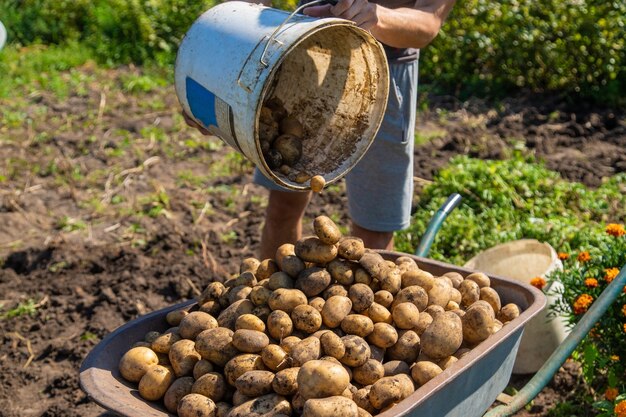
<point>299,9</point>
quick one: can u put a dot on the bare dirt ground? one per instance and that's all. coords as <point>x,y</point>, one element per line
<point>110,207</point>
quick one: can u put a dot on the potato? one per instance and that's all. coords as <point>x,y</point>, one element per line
<point>183,357</point>
<point>326,230</point>
<point>141,343</point>
<point>279,324</point>
<point>266,268</point>
<point>384,298</point>
<point>363,413</point>
<point>477,322</point>
<point>384,335</point>
<point>173,318</point>
<point>452,306</point>
<point>490,295</point>
<point>351,248</point>
<point>215,345</point>
<point>391,280</point>
<point>470,292</point>
<point>368,373</point>
<point>202,367</point>
<point>508,312</point>
<point>136,362</point>
<point>222,409</point>
<point>461,352</point>
<point>289,342</point>
<point>389,390</point>
<point>424,371</point>
<point>250,341</point>
<point>361,296</point>
<point>268,405</point>
<point>362,399</point>
<point>342,271</point>
<point>241,364</point>
<point>164,342</point>
<point>177,390</point>
<point>155,382</point>
<point>424,321</point>
<point>455,295</point>
<point>395,367</point>
<point>246,279</point>
<point>377,353</point>
<point>281,279</point>
<point>335,289</point>
<point>249,264</point>
<point>228,316</point>
<point>332,345</point>
<point>195,322</point>
<point>195,405</point>
<point>434,310</point>
<point>413,294</point>
<point>418,277</point>
<point>405,315</point>
<point>406,348</point>
<point>306,318</point>
<point>292,266</point>
<point>335,310</point>
<point>274,357</point>
<point>439,294</point>
<point>357,324</point>
<point>255,383</point>
<point>286,299</point>
<point>330,407</point>
<point>286,381</point>
<point>455,277</point>
<point>313,281</point>
<point>212,307</point>
<point>361,276</point>
<point>480,278</point>
<point>291,125</point>
<point>262,312</point>
<point>239,398</point>
<point>357,351</point>
<point>259,295</point>
<point>249,322</point>
<point>317,303</point>
<point>307,350</point>
<point>312,249</point>
<point>443,336</point>
<point>320,379</point>
<point>378,313</point>
<point>445,363</point>
<point>211,385</point>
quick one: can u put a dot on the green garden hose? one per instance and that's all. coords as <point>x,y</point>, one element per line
<point>435,224</point>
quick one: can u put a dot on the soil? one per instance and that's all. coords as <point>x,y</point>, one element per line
<point>111,211</point>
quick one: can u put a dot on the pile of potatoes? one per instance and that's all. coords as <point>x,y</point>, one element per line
<point>328,328</point>
<point>280,137</point>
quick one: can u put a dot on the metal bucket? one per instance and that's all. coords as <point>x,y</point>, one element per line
<point>330,74</point>
<point>523,260</point>
<point>3,35</point>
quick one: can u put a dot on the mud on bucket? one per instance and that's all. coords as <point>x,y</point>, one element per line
<point>239,59</point>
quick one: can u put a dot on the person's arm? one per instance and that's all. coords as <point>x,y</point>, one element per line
<point>405,27</point>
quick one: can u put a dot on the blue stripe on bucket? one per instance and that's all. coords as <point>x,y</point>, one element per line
<point>201,102</point>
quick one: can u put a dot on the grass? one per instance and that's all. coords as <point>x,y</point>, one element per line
<point>28,307</point>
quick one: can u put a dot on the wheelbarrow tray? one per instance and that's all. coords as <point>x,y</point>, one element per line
<point>465,389</point>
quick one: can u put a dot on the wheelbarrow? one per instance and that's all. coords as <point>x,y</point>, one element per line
<point>466,389</point>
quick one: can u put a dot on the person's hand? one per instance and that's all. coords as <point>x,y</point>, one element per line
<point>192,123</point>
<point>361,12</point>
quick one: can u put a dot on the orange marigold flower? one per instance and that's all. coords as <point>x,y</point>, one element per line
<point>615,229</point>
<point>620,409</point>
<point>563,256</point>
<point>611,393</point>
<point>614,358</point>
<point>624,309</point>
<point>610,274</point>
<point>582,303</point>
<point>591,282</point>
<point>584,256</point>
<point>624,327</point>
<point>538,282</point>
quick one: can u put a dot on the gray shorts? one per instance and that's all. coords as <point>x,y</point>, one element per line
<point>380,186</point>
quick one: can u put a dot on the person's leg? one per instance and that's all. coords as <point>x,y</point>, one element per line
<point>283,220</point>
<point>380,187</point>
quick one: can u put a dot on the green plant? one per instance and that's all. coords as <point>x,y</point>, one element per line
<point>508,200</point>
<point>586,273</point>
<point>29,307</point>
